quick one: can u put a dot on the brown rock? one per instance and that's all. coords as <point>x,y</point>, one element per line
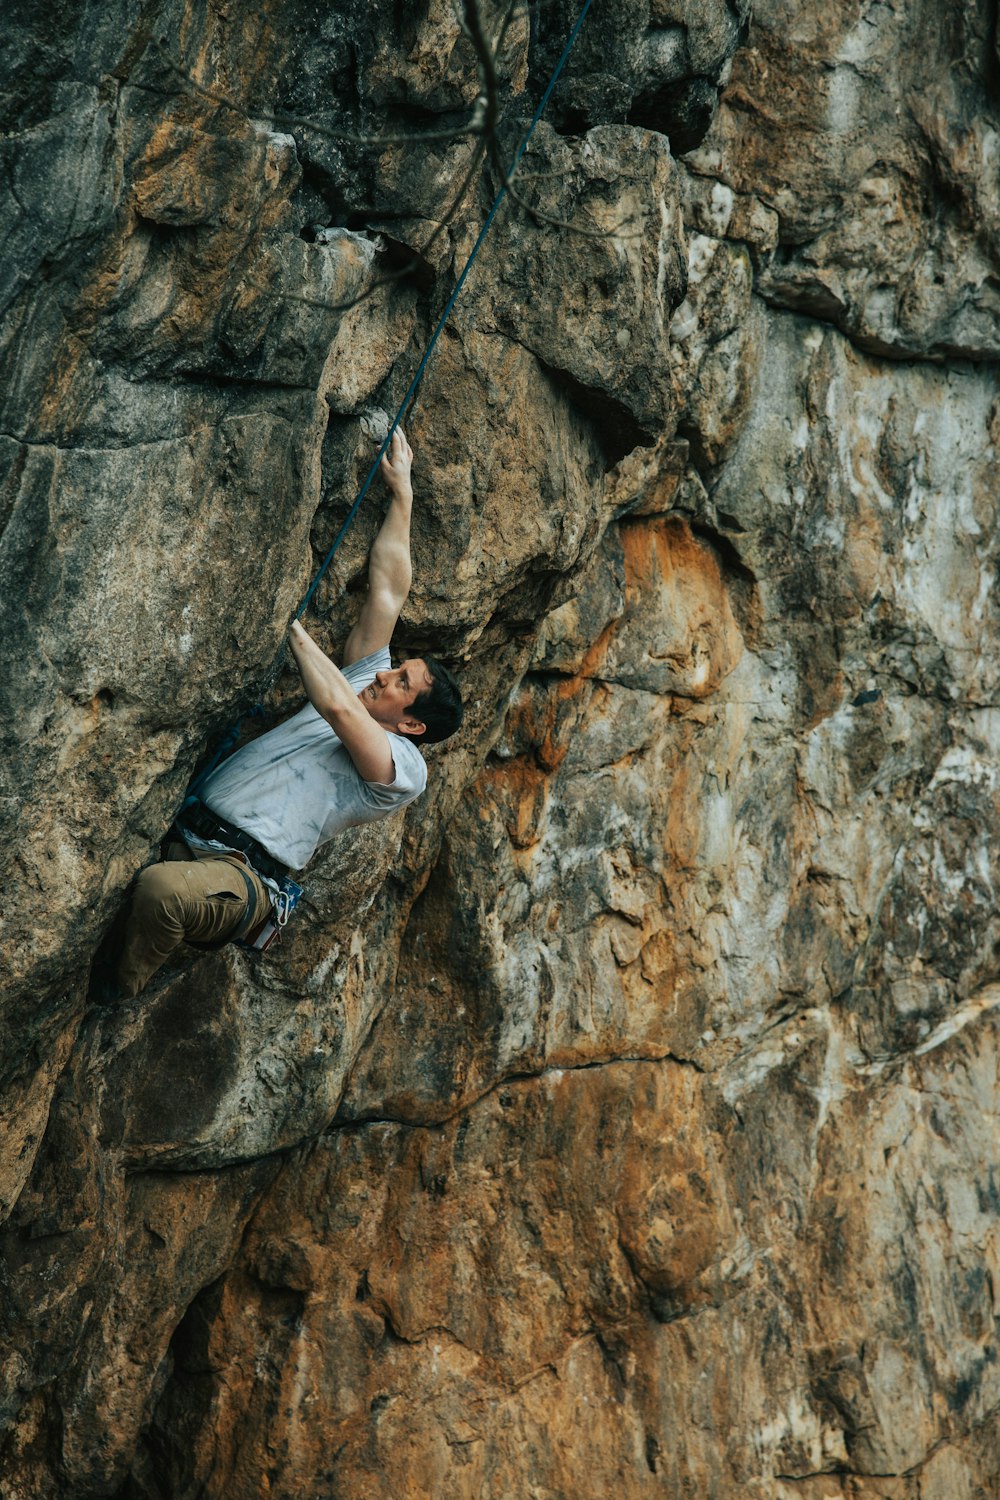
<point>622,1119</point>
<point>509,1279</point>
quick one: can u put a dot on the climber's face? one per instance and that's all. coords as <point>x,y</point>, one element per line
<point>392,694</point>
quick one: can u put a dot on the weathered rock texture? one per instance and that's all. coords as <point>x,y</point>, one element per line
<point>623,1120</point>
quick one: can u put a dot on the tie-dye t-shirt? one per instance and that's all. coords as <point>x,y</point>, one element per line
<point>296,786</point>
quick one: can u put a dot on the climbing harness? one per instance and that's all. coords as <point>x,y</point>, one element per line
<point>285,902</point>
<point>195,821</point>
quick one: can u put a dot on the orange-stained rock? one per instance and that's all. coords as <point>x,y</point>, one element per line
<point>499,1252</point>
<point>678,633</point>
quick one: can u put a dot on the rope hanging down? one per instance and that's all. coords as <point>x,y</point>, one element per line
<point>233,733</point>
<point>411,391</point>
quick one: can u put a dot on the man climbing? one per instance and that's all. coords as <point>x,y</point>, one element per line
<point>348,757</point>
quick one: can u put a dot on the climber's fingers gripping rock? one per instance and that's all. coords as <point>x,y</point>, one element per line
<point>397,460</point>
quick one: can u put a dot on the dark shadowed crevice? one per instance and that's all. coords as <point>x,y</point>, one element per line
<point>507,1081</point>
<point>615,428</point>
<point>683,112</point>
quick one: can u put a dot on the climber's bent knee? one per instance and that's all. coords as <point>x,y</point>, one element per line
<point>199,901</point>
<point>159,896</point>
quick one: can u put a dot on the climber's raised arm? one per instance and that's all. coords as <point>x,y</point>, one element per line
<point>389,569</point>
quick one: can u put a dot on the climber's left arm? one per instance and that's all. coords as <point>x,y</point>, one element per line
<point>332,696</point>
<point>389,568</point>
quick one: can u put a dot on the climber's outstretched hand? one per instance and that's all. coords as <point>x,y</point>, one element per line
<point>396,463</point>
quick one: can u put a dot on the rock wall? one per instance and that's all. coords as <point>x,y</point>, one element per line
<point>622,1118</point>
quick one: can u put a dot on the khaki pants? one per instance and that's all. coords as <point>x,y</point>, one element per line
<point>184,899</point>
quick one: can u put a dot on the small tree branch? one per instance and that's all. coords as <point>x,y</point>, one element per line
<point>302,122</point>
<point>406,270</point>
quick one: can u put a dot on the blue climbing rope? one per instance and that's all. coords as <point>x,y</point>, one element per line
<point>233,733</point>
<point>411,389</point>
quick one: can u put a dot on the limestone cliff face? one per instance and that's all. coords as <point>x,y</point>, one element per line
<point>623,1118</point>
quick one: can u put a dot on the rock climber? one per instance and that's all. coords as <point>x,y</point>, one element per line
<point>349,756</point>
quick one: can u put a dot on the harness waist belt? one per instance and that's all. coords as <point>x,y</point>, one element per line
<point>251,918</point>
<point>208,825</point>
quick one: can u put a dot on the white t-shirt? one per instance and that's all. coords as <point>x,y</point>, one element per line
<point>296,786</point>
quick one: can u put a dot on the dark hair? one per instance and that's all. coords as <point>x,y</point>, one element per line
<point>438,707</point>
